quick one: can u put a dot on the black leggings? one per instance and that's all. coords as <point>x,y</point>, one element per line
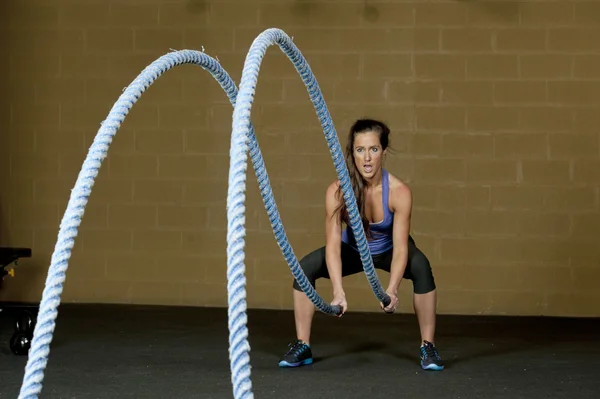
<point>417,269</point>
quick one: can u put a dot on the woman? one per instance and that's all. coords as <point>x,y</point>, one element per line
<point>385,205</point>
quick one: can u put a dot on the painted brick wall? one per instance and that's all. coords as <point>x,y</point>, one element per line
<point>493,107</point>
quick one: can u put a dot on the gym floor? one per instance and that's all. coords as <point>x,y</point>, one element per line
<point>117,351</point>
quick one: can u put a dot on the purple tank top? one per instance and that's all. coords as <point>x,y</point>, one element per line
<point>382,231</point>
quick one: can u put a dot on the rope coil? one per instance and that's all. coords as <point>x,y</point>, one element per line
<point>243,141</point>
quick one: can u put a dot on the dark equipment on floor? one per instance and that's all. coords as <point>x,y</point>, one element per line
<point>24,316</point>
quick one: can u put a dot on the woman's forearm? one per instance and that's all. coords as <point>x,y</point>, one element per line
<point>399,261</point>
<point>334,267</point>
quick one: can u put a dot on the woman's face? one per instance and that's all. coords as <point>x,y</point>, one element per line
<point>368,154</point>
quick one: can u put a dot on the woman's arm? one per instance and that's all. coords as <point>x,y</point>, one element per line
<point>333,235</point>
<point>401,203</point>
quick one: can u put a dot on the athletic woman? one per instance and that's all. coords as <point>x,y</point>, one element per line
<point>385,205</point>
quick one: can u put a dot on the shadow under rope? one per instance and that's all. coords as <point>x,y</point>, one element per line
<point>462,340</point>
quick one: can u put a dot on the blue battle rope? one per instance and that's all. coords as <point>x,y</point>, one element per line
<point>48,309</point>
<point>236,195</point>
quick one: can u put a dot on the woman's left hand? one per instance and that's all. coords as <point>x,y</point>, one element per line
<point>391,308</point>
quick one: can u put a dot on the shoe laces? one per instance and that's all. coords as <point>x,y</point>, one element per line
<point>429,351</point>
<point>296,348</point>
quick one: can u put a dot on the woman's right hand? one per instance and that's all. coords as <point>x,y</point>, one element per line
<point>339,299</point>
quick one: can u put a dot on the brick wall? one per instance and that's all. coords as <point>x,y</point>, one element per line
<point>493,107</point>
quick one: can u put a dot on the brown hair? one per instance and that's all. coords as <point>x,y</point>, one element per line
<point>357,181</point>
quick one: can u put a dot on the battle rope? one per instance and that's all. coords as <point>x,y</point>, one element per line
<point>239,348</point>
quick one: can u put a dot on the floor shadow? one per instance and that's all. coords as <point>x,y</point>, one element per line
<point>461,340</point>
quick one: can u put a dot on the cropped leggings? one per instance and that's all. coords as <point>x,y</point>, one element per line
<point>417,269</point>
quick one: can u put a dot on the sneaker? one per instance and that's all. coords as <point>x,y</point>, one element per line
<point>299,354</point>
<point>430,359</point>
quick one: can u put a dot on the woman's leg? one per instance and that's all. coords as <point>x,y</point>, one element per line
<point>425,309</point>
<point>299,352</point>
<point>314,267</point>
<point>419,271</point>
<point>304,311</point>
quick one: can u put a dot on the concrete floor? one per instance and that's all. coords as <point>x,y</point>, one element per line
<point>102,351</point>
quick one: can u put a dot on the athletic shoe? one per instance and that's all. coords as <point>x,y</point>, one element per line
<point>430,359</point>
<point>299,354</point>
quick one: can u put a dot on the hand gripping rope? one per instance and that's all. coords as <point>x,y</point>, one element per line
<point>243,136</point>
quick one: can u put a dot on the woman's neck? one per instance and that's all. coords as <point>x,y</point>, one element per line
<point>374,181</point>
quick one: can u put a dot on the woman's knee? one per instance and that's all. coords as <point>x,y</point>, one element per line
<point>421,273</point>
<point>311,265</point>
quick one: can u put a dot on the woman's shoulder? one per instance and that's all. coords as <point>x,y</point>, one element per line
<point>397,183</point>
<point>332,188</point>
<point>400,191</point>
